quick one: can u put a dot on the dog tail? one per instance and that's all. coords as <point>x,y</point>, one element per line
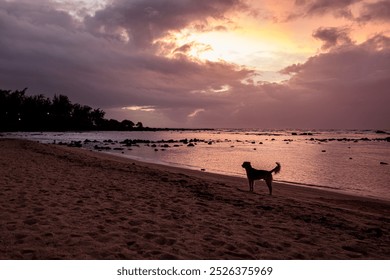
<point>276,169</point>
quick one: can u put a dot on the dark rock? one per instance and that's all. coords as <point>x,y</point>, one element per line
<point>380,132</point>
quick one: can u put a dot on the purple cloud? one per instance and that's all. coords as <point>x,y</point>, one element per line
<point>292,69</point>
<point>346,87</point>
<point>147,20</point>
<point>51,57</point>
<point>332,36</point>
<point>378,11</point>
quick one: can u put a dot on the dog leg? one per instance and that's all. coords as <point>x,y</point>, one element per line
<point>269,184</point>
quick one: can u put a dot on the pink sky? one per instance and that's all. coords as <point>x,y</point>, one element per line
<point>212,63</point>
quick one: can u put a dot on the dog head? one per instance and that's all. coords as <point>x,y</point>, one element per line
<point>246,165</point>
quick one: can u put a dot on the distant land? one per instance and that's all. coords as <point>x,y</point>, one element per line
<point>19,112</point>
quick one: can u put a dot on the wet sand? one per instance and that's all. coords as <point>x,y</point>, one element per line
<point>59,202</point>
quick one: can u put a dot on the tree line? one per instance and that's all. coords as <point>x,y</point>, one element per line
<point>19,112</point>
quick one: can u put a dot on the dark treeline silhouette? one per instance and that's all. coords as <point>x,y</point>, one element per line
<point>19,112</point>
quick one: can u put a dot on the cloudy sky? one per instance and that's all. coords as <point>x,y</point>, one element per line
<point>206,63</point>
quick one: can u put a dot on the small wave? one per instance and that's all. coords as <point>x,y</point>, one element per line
<point>308,185</point>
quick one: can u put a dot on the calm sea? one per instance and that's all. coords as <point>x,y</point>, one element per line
<point>351,161</point>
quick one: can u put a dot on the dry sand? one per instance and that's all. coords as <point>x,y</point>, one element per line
<point>68,203</point>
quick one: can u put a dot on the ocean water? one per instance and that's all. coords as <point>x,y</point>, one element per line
<point>351,161</point>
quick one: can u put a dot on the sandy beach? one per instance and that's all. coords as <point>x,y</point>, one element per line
<point>59,202</point>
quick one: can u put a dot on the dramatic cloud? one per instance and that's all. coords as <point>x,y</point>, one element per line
<point>332,36</point>
<point>141,22</point>
<point>344,88</point>
<point>348,86</point>
<point>47,51</point>
<point>125,57</point>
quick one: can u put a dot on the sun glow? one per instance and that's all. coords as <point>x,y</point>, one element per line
<point>221,45</point>
<point>267,49</point>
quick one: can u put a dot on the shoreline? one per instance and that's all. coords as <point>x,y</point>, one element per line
<point>312,168</point>
<point>66,203</point>
<point>243,176</point>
